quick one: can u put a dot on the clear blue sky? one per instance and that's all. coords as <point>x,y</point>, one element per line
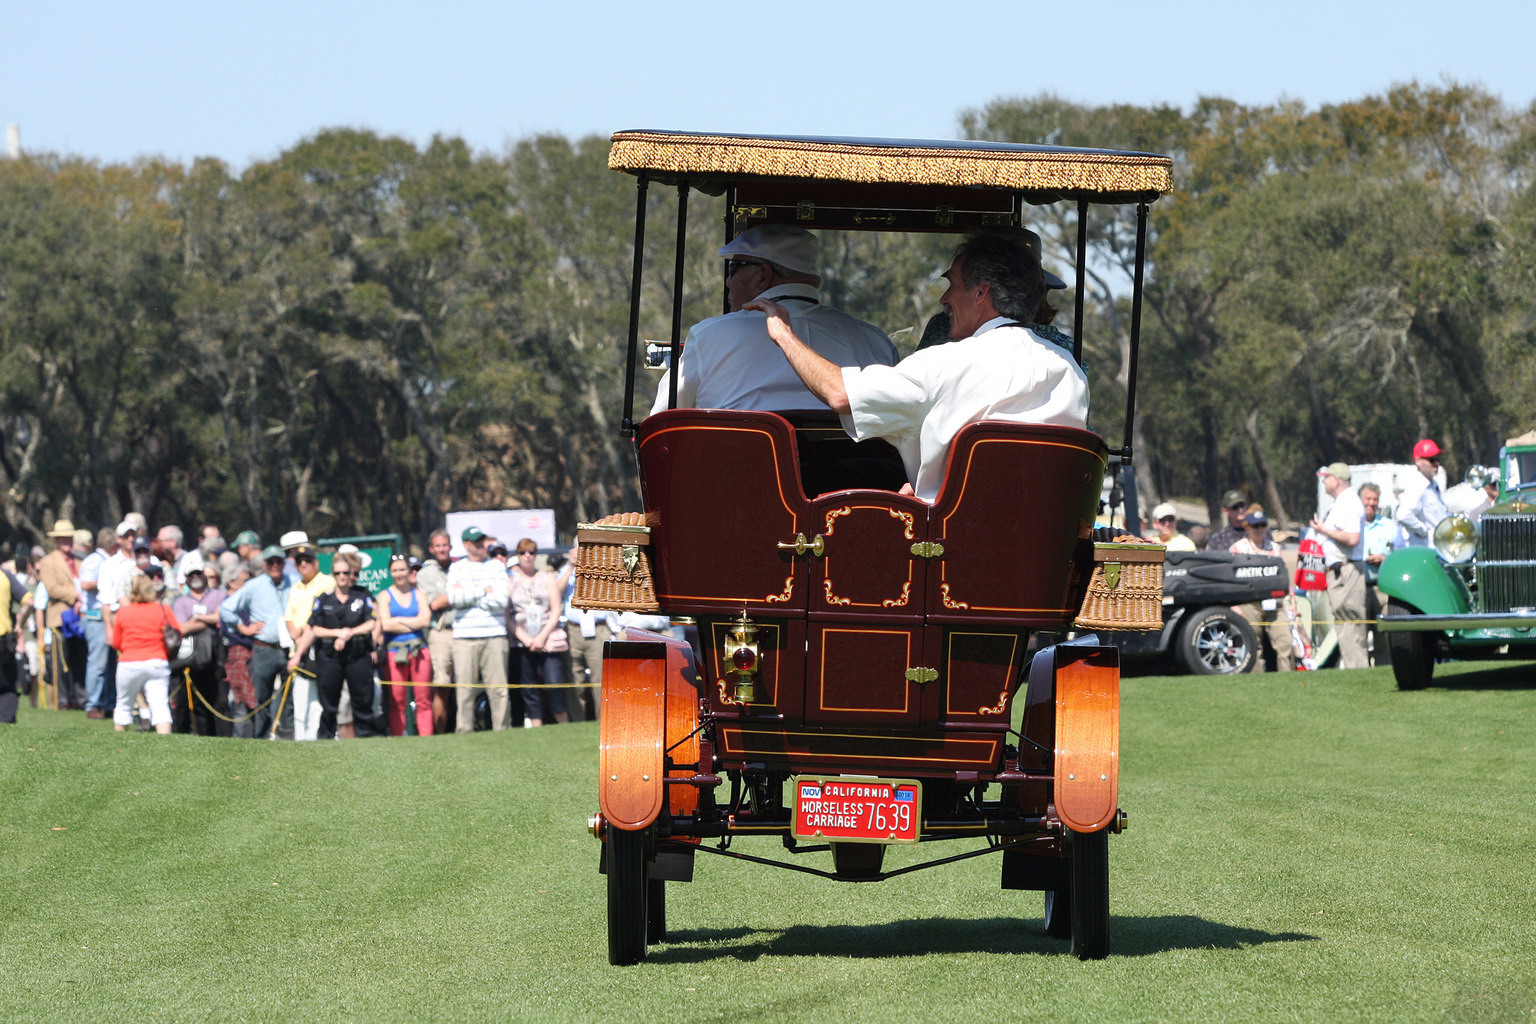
<point>242,81</point>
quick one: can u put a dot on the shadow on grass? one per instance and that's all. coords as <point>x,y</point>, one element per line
<point>1129,936</point>
<point>1471,675</point>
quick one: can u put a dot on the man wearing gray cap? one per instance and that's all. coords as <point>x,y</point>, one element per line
<point>729,362</point>
<point>1340,531</point>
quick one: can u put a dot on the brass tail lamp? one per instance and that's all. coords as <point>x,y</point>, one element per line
<point>743,659</point>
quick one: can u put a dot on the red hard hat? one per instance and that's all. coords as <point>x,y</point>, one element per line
<point>1426,449</point>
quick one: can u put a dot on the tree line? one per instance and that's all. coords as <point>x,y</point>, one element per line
<point>362,333</point>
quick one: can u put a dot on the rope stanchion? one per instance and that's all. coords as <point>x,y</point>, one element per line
<point>277,716</point>
<point>233,721</point>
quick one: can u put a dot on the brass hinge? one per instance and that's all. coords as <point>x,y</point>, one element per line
<point>630,554</point>
<point>1112,575</point>
<point>805,210</point>
<point>944,216</point>
<point>927,549</point>
<point>874,218</point>
<point>922,676</point>
<point>816,547</point>
<point>997,220</point>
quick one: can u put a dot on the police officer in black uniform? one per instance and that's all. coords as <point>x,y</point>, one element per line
<point>343,626</point>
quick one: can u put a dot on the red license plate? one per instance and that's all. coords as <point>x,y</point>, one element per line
<point>858,810</point>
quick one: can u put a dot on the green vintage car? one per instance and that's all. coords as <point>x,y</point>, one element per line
<point>1473,594</point>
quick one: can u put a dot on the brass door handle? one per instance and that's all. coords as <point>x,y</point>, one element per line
<point>816,547</point>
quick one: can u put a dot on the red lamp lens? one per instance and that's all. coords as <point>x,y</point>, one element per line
<point>744,659</point>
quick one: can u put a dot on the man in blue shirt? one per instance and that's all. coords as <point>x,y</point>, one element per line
<point>256,611</point>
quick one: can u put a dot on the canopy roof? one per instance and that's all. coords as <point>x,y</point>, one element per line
<point>1045,173</point>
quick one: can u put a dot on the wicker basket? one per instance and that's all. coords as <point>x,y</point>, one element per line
<point>613,564</point>
<point>1126,591</point>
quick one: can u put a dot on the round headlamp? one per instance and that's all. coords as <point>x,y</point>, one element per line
<point>1456,539</point>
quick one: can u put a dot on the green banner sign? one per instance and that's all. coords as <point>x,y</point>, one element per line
<point>375,574</point>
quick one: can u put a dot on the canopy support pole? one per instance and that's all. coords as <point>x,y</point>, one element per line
<point>627,424</point>
<point>1082,276</point>
<point>677,292</point>
<point>1130,384</point>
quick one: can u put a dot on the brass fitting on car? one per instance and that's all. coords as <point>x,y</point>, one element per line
<point>597,825</point>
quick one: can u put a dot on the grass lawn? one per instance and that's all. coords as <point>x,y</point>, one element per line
<point>1315,847</point>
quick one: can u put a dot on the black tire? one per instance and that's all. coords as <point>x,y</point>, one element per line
<point>1217,642</point>
<point>1413,653</point>
<point>1090,894</point>
<point>1058,913</point>
<point>627,891</point>
<point>655,911</point>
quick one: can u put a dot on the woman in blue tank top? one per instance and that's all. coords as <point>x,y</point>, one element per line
<point>403,616</point>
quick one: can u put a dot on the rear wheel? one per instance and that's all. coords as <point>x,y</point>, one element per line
<point>1058,913</point>
<point>1090,894</point>
<point>627,891</point>
<point>1413,653</point>
<point>655,911</point>
<point>1217,642</point>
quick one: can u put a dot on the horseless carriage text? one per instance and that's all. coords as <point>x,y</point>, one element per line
<point>863,656</point>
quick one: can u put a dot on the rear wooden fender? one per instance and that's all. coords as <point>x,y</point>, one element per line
<point>650,701</point>
<point>1087,765</point>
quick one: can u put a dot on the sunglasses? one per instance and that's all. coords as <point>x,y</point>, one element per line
<point>731,266</point>
<point>342,572</point>
<point>1238,507</point>
<point>528,551</point>
<point>301,559</point>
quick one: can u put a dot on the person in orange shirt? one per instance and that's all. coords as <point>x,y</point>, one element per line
<point>138,635</point>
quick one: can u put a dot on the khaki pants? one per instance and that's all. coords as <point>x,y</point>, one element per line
<point>586,668</point>
<point>1275,629</point>
<point>440,646</point>
<point>480,664</point>
<point>1346,592</point>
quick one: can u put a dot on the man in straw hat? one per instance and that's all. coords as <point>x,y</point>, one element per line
<point>996,369</point>
<point>60,574</point>
<point>728,361</point>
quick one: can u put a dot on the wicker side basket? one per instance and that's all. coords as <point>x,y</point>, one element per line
<point>1126,591</point>
<point>613,564</point>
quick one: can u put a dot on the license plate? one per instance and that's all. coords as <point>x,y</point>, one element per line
<point>858,810</point>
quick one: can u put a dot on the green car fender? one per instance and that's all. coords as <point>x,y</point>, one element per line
<point>1415,576</point>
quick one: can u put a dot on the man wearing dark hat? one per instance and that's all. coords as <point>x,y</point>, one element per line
<point>1421,510</point>
<point>997,369</point>
<point>257,611</point>
<point>1233,505</point>
<point>728,362</point>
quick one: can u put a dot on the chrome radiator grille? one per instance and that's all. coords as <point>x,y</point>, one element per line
<point>1506,563</point>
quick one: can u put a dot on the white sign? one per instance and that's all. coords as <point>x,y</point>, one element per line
<point>508,525</point>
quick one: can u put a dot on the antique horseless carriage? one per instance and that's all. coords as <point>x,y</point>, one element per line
<point>860,653</point>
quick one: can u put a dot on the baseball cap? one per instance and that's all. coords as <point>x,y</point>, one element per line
<point>1163,511</point>
<point>247,537</point>
<point>125,527</point>
<point>412,562</point>
<point>1232,499</point>
<point>272,551</point>
<point>472,533</point>
<point>142,544</point>
<point>780,244</point>
<point>1256,518</point>
<point>1425,449</point>
<point>1337,469</point>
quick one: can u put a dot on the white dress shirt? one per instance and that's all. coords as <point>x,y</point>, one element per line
<point>1002,372</point>
<point>729,362</point>
<point>1420,512</point>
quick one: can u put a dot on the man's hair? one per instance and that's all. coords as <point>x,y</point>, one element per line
<point>350,559</point>
<point>106,535</point>
<point>439,533</point>
<point>1370,487</point>
<point>174,532</point>
<point>1012,270</point>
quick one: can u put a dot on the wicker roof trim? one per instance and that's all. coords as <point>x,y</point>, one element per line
<point>1036,168</point>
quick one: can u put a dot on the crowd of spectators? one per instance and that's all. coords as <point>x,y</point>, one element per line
<point>254,640</point>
